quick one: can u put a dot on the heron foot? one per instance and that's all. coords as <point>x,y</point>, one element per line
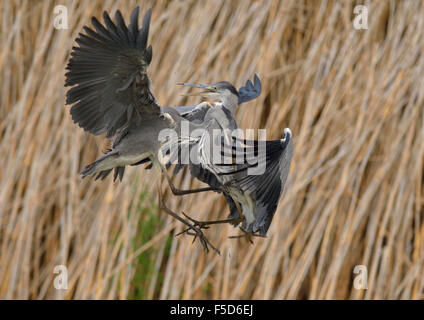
<point>195,231</point>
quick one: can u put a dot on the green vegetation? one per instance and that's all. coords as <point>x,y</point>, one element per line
<point>148,226</point>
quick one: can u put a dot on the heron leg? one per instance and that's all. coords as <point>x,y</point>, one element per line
<point>197,232</point>
<point>205,224</point>
<point>247,235</point>
<point>179,192</point>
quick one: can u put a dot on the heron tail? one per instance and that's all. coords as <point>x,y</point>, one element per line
<point>89,170</point>
<point>102,167</point>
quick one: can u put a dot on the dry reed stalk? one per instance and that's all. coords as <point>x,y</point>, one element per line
<point>353,99</point>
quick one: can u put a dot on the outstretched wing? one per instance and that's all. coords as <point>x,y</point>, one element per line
<point>267,187</point>
<point>108,73</point>
<point>250,91</point>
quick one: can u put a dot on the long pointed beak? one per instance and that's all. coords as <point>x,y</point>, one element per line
<point>194,85</point>
<point>207,89</point>
<point>201,94</point>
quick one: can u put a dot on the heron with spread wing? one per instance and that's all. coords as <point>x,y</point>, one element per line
<point>111,94</point>
<point>251,197</point>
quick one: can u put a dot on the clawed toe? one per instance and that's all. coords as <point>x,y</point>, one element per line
<point>195,231</point>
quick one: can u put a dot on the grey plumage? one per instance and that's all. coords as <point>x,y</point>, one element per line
<point>257,195</point>
<point>265,189</point>
<point>103,70</point>
<point>111,92</point>
<point>196,114</point>
<point>260,191</point>
<point>248,92</point>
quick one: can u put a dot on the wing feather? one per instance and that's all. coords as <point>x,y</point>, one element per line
<point>108,73</point>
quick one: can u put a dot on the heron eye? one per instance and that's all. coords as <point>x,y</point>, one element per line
<point>215,88</point>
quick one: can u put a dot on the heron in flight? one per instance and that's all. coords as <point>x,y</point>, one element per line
<point>111,93</point>
<point>252,198</point>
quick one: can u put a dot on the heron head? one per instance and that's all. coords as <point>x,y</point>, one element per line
<point>218,90</point>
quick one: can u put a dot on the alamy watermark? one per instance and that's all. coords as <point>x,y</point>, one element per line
<point>60,21</point>
<point>60,281</point>
<point>361,280</point>
<point>360,22</point>
<point>224,148</point>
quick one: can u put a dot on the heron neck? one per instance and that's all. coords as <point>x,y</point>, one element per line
<point>230,102</point>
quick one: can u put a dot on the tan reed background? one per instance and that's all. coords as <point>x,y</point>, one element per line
<point>353,99</point>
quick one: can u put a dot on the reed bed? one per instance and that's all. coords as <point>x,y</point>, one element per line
<point>352,98</point>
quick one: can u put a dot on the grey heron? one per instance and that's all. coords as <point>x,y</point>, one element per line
<point>111,93</point>
<point>252,199</point>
